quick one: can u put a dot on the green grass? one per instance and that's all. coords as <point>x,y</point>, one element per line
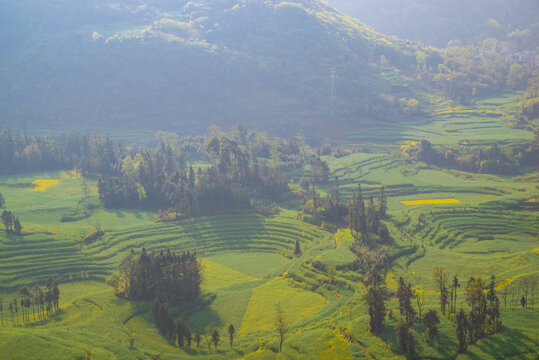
<point>249,265</point>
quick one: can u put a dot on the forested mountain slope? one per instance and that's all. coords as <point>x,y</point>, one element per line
<point>185,65</point>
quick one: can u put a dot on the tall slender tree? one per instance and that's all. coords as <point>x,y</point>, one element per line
<point>431,321</point>
<point>180,332</point>
<point>462,326</point>
<point>17,227</point>
<point>440,277</point>
<point>404,294</point>
<point>376,297</point>
<point>231,332</point>
<point>215,338</point>
<point>281,325</point>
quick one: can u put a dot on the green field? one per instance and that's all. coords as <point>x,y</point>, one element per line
<point>249,264</point>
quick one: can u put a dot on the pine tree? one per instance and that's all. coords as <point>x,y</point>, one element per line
<point>402,333</point>
<point>231,332</point>
<point>180,332</point>
<point>382,203</point>
<point>454,288</point>
<point>431,321</point>
<point>162,318</point>
<point>361,217</point>
<point>404,294</point>
<point>375,297</point>
<point>215,338</point>
<point>412,353</point>
<point>188,337</point>
<point>462,325</point>
<point>297,249</point>
<point>17,227</point>
<point>198,338</point>
<point>337,191</point>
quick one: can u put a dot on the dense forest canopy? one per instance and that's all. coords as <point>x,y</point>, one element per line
<point>438,22</point>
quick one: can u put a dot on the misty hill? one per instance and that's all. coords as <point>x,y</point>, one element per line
<point>438,22</point>
<point>186,65</point>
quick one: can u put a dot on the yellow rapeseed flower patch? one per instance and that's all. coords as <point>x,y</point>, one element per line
<point>331,346</point>
<point>391,282</point>
<point>429,201</point>
<point>535,251</point>
<point>409,144</point>
<point>45,184</point>
<point>217,275</point>
<point>297,304</point>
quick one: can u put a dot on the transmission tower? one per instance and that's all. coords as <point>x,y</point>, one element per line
<point>332,91</point>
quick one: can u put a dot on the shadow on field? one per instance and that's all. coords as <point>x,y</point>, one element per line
<point>509,342</point>
<point>215,233</point>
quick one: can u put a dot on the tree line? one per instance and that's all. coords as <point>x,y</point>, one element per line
<point>482,318</point>
<point>490,159</point>
<point>160,178</point>
<point>22,153</point>
<point>179,333</point>
<point>30,303</point>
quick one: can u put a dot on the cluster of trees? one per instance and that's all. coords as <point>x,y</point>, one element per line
<point>529,104</point>
<point>390,107</point>
<point>484,316</point>
<point>156,179</point>
<point>405,338</point>
<point>165,275</point>
<point>471,71</point>
<point>180,334</point>
<point>525,287</point>
<point>11,223</point>
<point>491,159</point>
<point>2,200</point>
<point>364,221</point>
<point>38,302</point>
<point>482,319</point>
<point>376,296</point>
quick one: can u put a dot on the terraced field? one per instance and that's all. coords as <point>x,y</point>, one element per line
<point>52,255</point>
<point>490,227</point>
<point>484,123</point>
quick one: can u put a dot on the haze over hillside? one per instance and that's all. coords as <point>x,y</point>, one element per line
<point>362,195</point>
<point>438,22</point>
<point>186,65</point>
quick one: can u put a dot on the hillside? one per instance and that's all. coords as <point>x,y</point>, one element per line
<point>438,22</point>
<point>108,65</point>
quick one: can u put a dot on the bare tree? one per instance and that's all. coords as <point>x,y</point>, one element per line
<point>440,278</point>
<point>505,292</point>
<point>281,325</point>
<point>533,285</point>
<point>85,190</point>
<point>525,285</point>
<point>130,338</point>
